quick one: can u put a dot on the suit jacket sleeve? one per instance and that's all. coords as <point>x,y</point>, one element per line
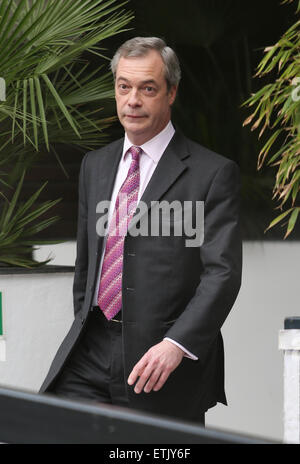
<point>81,263</point>
<point>221,254</point>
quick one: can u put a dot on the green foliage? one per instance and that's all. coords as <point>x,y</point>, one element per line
<point>53,95</point>
<point>17,230</point>
<point>277,108</point>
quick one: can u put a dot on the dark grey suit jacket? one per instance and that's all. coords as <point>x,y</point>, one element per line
<point>169,289</point>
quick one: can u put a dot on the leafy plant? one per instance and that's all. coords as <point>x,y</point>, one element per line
<point>17,230</point>
<point>277,108</point>
<point>53,96</point>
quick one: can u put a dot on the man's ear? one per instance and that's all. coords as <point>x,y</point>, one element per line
<point>172,94</point>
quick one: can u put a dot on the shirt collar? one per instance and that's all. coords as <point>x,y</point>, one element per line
<point>156,146</point>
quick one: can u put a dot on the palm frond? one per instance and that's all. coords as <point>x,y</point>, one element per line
<point>17,222</point>
<point>51,98</point>
<point>278,111</point>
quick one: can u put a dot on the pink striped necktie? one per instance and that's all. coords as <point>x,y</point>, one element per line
<point>110,288</point>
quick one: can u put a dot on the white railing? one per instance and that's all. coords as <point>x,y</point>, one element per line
<point>289,342</point>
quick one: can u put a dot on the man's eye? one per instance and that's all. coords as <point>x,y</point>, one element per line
<point>123,87</point>
<point>149,90</point>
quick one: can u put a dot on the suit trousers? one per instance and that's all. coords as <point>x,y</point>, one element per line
<point>95,369</point>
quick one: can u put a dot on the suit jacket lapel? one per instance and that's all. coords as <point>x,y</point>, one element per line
<point>107,169</point>
<point>167,171</point>
<point>106,172</point>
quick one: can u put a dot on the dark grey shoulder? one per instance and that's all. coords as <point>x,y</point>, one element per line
<point>202,161</point>
<point>201,154</point>
<point>92,155</point>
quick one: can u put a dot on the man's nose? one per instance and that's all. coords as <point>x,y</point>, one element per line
<point>134,98</point>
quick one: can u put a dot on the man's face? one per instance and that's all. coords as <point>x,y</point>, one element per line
<point>143,100</point>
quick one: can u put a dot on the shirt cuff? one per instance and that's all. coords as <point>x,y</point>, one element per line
<point>188,354</point>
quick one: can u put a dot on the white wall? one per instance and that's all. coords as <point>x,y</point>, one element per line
<point>254,366</point>
<point>37,311</point>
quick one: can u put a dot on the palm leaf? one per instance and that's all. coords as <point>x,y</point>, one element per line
<point>13,229</point>
<point>51,98</point>
<point>276,102</point>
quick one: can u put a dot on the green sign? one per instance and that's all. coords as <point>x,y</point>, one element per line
<point>1,324</point>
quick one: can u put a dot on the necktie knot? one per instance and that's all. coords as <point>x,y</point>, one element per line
<point>135,152</point>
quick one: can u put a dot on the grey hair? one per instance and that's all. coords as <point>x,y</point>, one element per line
<point>140,46</point>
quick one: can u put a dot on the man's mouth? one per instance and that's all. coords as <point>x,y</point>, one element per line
<point>134,116</point>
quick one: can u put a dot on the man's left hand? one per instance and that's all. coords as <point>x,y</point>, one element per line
<point>155,366</point>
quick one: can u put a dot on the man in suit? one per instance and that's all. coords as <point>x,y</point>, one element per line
<point>148,307</point>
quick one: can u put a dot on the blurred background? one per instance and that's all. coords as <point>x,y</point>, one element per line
<point>219,44</point>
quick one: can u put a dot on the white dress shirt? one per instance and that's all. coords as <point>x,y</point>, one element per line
<point>152,152</point>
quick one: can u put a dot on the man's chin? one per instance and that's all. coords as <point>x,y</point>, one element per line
<point>138,134</point>
<point>135,121</point>
<point>136,126</point>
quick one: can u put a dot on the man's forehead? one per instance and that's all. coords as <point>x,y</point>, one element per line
<point>150,66</point>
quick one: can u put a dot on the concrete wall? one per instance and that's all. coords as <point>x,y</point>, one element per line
<point>254,366</point>
<point>37,311</point>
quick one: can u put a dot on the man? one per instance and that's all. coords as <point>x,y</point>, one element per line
<point>148,307</point>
